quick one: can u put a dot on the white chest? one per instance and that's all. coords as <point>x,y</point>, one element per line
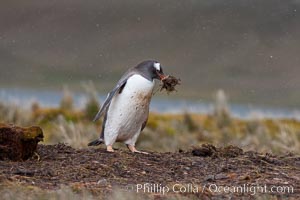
<point>138,84</point>
<point>135,96</point>
<point>129,109</point>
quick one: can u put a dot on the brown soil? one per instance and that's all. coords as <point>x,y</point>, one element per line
<point>100,172</point>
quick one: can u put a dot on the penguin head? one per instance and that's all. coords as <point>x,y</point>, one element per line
<point>151,69</point>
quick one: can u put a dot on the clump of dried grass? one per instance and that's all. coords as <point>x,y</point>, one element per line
<point>169,83</point>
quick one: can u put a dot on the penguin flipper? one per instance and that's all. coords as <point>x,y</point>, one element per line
<point>144,124</point>
<point>109,97</point>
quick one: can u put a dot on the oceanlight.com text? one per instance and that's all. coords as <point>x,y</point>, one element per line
<point>251,189</point>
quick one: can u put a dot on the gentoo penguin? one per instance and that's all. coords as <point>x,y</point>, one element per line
<point>126,107</point>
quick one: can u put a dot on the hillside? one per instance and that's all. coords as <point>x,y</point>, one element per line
<point>248,48</point>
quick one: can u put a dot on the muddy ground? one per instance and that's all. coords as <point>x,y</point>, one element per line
<point>196,172</point>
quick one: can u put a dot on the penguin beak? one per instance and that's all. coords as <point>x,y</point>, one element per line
<point>161,76</point>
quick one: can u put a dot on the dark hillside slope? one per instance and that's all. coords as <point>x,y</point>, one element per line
<point>248,48</point>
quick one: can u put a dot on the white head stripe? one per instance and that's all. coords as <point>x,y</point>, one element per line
<point>157,66</point>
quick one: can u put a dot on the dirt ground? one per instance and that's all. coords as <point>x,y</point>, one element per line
<point>206,172</point>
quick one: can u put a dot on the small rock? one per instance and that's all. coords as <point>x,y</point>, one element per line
<point>246,177</point>
<point>102,182</point>
<point>220,176</point>
<point>209,178</point>
<point>204,151</point>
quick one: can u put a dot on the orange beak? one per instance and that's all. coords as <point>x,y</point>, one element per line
<point>162,76</point>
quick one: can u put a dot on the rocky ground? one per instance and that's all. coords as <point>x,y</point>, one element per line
<point>206,172</point>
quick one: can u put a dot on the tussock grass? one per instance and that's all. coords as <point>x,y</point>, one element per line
<point>92,104</point>
<point>67,101</point>
<point>164,132</point>
<point>77,135</point>
<point>12,113</point>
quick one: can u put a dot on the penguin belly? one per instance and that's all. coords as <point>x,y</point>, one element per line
<point>128,111</point>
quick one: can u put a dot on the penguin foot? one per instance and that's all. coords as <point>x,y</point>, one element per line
<point>134,150</point>
<point>109,149</point>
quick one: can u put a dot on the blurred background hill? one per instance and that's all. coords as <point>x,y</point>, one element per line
<point>248,48</point>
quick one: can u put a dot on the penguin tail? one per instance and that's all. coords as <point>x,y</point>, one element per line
<point>96,142</point>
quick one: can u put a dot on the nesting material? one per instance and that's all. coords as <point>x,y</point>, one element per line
<point>169,83</point>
